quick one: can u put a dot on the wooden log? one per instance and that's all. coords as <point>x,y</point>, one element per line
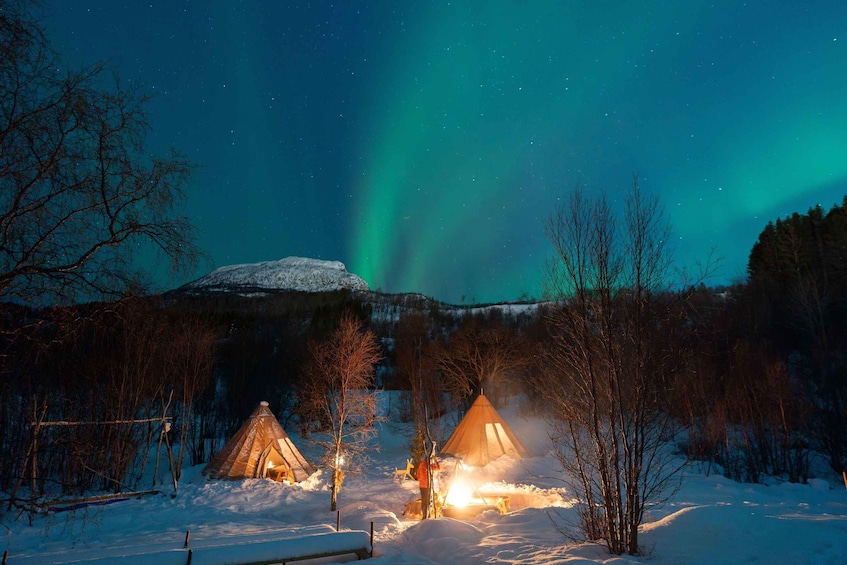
<point>107,423</point>
<point>52,504</point>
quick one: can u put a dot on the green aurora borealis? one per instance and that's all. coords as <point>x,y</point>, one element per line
<point>423,143</point>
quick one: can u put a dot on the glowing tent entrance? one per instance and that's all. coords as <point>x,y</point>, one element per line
<point>259,449</point>
<point>483,436</point>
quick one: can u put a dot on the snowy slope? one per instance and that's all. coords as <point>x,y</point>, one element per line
<point>291,273</point>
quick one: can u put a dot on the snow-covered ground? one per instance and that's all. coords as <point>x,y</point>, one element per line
<point>710,520</point>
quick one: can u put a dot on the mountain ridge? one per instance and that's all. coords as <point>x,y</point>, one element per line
<point>287,274</point>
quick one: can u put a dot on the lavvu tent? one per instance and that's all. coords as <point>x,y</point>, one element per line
<point>483,436</point>
<point>259,449</point>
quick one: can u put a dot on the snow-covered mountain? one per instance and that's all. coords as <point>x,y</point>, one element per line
<point>291,273</point>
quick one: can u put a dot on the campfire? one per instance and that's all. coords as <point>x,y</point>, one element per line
<point>464,500</point>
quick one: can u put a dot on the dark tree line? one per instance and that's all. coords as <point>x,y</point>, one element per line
<point>798,268</point>
<point>769,382</point>
<point>84,396</point>
<point>797,295</point>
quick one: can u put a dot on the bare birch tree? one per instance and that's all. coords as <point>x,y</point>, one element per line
<point>479,355</point>
<point>338,394</point>
<point>79,192</point>
<point>606,372</point>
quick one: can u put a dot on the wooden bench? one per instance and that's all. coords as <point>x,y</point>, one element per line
<point>242,550</point>
<point>317,546</point>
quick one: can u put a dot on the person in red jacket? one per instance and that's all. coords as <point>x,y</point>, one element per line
<point>424,467</point>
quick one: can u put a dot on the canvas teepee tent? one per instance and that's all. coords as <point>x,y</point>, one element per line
<point>483,436</point>
<point>260,448</point>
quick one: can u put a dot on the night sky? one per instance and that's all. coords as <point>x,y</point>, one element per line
<point>422,143</point>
